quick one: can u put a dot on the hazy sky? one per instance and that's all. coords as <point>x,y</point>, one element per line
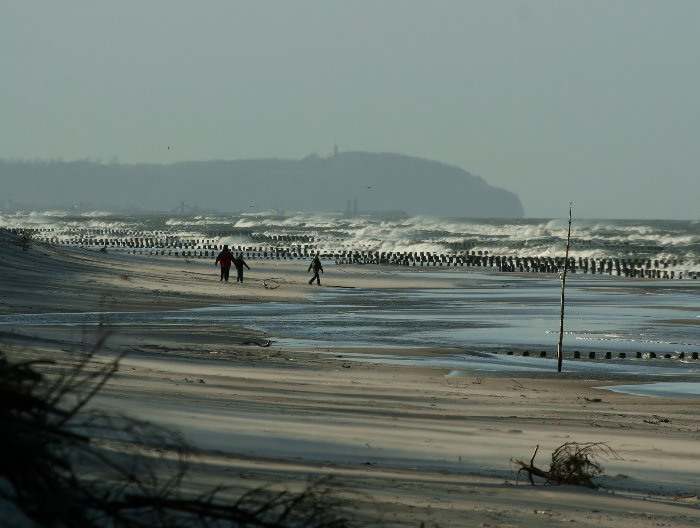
<point>595,102</point>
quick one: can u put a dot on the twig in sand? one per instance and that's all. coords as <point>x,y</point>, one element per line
<point>262,345</point>
<point>657,420</point>
<point>268,283</point>
<point>519,385</point>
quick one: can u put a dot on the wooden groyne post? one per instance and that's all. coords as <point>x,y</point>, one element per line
<point>560,353</point>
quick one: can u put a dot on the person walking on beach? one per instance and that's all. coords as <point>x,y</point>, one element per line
<point>316,266</point>
<point>224,259</point>
<point>239,263</point>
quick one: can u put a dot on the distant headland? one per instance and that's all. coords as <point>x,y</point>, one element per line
<point>356,182</point>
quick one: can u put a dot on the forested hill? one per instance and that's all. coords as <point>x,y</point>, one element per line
<point>355,181</point>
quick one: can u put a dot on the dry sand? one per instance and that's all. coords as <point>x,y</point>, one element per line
<point>405,445</point>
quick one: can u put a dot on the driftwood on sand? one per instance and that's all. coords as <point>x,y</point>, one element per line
<point>572,463</point>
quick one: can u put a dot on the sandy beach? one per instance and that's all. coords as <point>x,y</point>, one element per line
<point>405,445</point>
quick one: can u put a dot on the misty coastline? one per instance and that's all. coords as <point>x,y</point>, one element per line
<point>355,182</point>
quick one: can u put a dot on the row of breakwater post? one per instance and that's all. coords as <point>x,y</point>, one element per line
<point>577,354</point>
<point>641,268</point>
<point>290,247</point>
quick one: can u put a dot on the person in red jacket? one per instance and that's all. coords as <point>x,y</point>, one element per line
<point>224,259</point>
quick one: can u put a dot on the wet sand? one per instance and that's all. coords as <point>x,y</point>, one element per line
<point>405,444</point>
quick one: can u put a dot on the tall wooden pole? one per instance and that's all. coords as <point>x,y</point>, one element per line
<point>560,353</point>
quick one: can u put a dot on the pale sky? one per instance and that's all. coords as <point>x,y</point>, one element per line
<point>595,102</point>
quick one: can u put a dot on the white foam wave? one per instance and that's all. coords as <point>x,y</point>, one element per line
<point>662,240</point>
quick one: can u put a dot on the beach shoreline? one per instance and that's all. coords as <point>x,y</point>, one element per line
<point>403,442</point>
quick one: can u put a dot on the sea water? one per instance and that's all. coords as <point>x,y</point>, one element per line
<point>675,241</point>
<point>494,313</point>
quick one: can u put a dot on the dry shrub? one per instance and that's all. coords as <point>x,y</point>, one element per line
<point>578,464</point>
<point>572,463</point>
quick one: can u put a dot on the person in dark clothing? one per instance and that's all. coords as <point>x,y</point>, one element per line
<point>316,266</point>
<point>239,263</point>
<point>224,259</point>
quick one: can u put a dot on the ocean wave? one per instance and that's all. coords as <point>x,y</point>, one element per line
<point>666,240</point>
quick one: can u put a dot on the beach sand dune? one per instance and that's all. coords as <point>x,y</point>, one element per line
<point>404,445</point>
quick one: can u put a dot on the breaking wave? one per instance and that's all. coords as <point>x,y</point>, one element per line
<point>593,238</point>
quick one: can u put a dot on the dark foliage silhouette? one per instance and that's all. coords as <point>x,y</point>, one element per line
<point>66,464</point>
